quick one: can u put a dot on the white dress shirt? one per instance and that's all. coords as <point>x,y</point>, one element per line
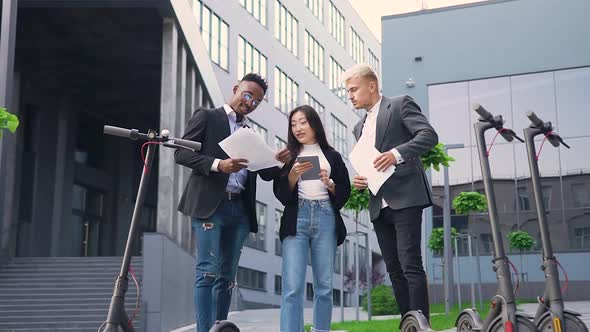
<point>370,130</point>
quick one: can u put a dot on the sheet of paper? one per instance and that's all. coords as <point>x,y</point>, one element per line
<point>361,158</point>
<point>247,144</point>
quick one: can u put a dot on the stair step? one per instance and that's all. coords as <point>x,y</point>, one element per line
<point>39,308</point>
<point>56,326</point>
<point>50,329</point>
<point>106,295</point>
<point>66,280</point>
<point>62,293</point>
<point>55,312</point>
<point>64,301</point>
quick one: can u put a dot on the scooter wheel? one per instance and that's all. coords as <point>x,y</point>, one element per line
<point>224,326</point>
<point>411,324</point>
<point>465,323</point>
<point>522,325</point>
<point>572,324</point>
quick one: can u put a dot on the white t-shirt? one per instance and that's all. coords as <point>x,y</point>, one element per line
<point>314,189</point>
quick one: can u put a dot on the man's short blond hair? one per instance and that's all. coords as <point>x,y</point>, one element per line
<point>362,71</point>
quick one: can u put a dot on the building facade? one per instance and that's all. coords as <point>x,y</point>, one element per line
<point>301,48</point>
<point>511,57</point>
<point>67,190</point>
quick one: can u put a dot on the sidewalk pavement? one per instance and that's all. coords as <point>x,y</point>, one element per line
<point>267,320</point>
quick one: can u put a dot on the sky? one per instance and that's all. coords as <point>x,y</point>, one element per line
<point>372,10</point>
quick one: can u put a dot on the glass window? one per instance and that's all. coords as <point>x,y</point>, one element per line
<point>278,243</point>
<point>580,195</point>
<point>309,291</point>
<point>251,279</point>
<point>316,7</point>
<point>215,34</point>
<point>258,240</point>
<point>336,26</point>
<point>336,86</point>
<point>280,143</point>
<point>558,97</point>
<point>336,297</point>
<point>278,285</point>
<point>374,62</point>
<point>251,60</point>
<point>311,101</point>
<point>357,47</point>
<point>256,8</point>
<point>582,238</point>
<point>571,87</point>
<point>337,258</point>
<point>339,136</point>
<point>286,26</point>
<point>260,130</point>
<point>523,199</point>
<point>286,93</point>
<point>314,54</point>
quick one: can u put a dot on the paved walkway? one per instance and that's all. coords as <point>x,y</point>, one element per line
<point>267,320</point>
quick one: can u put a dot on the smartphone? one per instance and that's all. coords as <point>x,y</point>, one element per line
<point>314,172</point>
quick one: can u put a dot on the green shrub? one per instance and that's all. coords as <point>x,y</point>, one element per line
<point>382,301</point>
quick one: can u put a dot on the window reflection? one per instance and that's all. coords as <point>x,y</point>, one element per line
<point>559,97</point>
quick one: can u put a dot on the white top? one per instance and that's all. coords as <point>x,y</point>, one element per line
<point>314,189</point>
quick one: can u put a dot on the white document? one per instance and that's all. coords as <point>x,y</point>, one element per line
<point>245,143</point>
<point>361,158</point>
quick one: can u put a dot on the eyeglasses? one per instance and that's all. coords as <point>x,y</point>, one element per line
<point>248,97</point>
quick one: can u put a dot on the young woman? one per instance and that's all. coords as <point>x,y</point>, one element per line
<point>311,221</point>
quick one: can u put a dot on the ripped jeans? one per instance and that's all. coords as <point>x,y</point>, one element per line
<point>219,241</point>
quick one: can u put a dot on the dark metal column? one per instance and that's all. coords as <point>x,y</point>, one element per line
<point>7,43</point>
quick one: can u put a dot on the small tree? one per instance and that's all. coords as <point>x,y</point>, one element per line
<point>436,157</point>
<point>522,241</point>
<point>358,201</point>
<point>468,202</point>
<point>436,242</point>
<point>7,121</point>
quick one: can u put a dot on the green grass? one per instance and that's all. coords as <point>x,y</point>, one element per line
<point>438,322</point>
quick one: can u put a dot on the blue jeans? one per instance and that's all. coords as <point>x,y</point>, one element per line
<point>316,234</point>
<point>219,241</point>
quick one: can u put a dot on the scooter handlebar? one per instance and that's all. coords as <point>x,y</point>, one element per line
<point>482,112</point>
<point>187,143</point>
<point>535,119</point>
<point>121,132</point>
<point>134,134</point>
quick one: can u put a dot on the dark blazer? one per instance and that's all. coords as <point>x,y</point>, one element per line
<point>290,198</point>
<point>205,189</point>
<point>401,125</point>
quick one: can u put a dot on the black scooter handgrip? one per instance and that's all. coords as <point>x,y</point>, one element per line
<point>188,143</point>
<point>535,119</point>
<point>482,112</point>
<point>117,131</point>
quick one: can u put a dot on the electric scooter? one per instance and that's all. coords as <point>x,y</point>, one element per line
<point>117,316</point>
<point>502,315</point>
<point>551,314</point>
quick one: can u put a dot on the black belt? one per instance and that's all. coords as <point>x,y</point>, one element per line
<point>232,196</point>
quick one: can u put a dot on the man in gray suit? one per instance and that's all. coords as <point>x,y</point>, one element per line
<point>397,128</point>
<point>220,198</point>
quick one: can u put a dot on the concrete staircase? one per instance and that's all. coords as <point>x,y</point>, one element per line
<point>61,293</point>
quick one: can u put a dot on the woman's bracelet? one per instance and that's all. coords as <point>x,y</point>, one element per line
<point>331,184</point>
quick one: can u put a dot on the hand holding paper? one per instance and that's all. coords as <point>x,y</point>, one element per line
<point>361,158</point>
<point>245,143</point>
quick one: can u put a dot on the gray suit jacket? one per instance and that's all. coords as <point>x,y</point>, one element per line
<point>401,125</point>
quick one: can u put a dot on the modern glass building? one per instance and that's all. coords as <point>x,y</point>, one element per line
<point>511,56</point>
